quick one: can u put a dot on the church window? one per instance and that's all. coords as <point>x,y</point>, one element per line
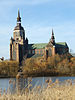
<point>17,38</point>
<point>33,51</point>
<point>49,52</point>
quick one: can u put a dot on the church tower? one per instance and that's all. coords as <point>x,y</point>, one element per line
<point>18,43</point>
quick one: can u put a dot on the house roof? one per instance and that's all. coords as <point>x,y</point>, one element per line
<point>43,45</point>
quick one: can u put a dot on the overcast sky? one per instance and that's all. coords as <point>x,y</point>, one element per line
<point>38,19</point>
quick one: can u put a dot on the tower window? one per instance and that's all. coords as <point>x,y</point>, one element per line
<point>33,51</point>
<point>17,38</point>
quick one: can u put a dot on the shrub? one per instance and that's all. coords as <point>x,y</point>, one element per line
<point>8,68</point>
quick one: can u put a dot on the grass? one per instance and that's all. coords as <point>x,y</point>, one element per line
<point>52,91</point>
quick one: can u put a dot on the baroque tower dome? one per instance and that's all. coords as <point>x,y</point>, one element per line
<point>18,27</point>
<point>19,32</point>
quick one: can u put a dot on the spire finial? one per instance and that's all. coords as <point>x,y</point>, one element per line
<point>18,18</point>
<point>18,13</point>
<point>52,32</point>
<point>53,38</point>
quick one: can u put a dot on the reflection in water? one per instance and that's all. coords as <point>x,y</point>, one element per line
<point>13,84</point>
<point>21,82</point>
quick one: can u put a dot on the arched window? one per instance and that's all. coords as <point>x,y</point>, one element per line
<point>33,51</point>
<point>49,52</point>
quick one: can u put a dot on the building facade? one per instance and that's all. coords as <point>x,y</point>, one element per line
<point>20,49</point>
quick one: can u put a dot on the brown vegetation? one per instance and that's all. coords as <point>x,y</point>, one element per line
<point>8,69</point>
<point>63,65</point>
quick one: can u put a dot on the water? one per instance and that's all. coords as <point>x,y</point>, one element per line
<point>5,83</point>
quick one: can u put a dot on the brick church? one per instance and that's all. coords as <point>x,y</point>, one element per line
<point>20,48</point>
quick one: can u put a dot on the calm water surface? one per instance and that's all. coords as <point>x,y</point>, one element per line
<point>5,82</point>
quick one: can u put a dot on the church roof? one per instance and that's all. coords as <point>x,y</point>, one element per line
<point>18,27</point>
<point>43,45</point>
<point>61,44</point>
<point>37,46</point>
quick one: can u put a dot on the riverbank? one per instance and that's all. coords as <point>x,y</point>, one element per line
<point>47,74</point>
<point>63,65</point>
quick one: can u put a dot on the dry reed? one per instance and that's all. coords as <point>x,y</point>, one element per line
<point>52,91</point>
